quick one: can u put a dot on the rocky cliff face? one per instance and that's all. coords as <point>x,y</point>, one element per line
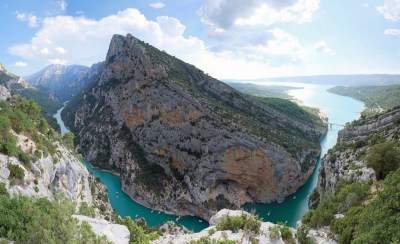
<point>8,82</point>
<point>48,176</point>
<point>184,142</point>
<point>346,161</point>
<point>319,236</point>
<point>65,81</point>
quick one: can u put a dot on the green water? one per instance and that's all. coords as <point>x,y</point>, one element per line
<point>339,110</point>
<point>125,206</point>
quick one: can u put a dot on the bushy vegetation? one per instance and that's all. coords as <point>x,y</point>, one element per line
<point>29,220</point>
<point>349,194</point>
<point>384,158</point>
<point>16,172</point>
<point>375,222</point>
<point>366,219</point>
<point>24,116</point>
<point>387,97</point>
<point>41,96</point>
<point>291,109</point>
<point>244,222</point>
<point>138,235</point>
<point>208,240</point>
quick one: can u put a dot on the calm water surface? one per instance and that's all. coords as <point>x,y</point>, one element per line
<point>338,109</point>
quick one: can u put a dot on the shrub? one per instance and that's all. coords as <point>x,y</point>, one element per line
<point>38,154</point>
<point>16,172</point>
<point>302,235</point>
<point>24,157</point>
<point>384,158</point>
<point>211,231</point>
<point>274,232</point>
<point>3,189</point>
<point>10,145</point>
<point>244,222</point>
<point>287,235</point>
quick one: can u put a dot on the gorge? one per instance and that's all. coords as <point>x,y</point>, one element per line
<point>292,209</point>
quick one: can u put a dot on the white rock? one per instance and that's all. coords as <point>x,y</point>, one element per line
<point>115,233</point>
<point>4,173</point>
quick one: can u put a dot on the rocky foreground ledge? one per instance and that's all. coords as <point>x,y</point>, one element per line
<point>268,233</point>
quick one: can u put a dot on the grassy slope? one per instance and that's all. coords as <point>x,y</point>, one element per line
<point>49,107</point>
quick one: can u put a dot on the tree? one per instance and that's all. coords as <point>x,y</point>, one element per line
<point>68,139</point>
<point>10,146</point>
<point>29,107</point>
<point>384,158</point>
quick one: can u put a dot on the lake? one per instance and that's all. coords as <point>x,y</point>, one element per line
<point>338,109</point>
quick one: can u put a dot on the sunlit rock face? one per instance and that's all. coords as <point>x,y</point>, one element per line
<point>184,142</point>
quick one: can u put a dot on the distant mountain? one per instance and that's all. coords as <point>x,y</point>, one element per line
<point>65,81</point>
<point>9,82</point>
<point>340,80</point>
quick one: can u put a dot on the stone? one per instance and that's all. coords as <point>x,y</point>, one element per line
<point>4,173</point>
<point>115,233</point>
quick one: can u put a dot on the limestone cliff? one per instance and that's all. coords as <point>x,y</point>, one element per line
<point>48,175</point>
<point>184,142</point>
<point>213,235</point>
<point>346,161</point>
<point>9,81</point>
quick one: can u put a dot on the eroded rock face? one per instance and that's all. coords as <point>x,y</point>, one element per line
<point>46,177</point>
<point>319,236</point>
<point>347,160</point>
<point>184,142</point>
<point>115,233</point>
<point>4,93</point>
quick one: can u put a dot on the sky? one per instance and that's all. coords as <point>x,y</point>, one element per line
<point>228,39</point>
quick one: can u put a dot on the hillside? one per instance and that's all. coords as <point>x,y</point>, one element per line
<point>341,80</point>
<point>358,185</point>
<point>184,142</point>
<point>376,98</point>
<point>65,81</point>
<point>263,91</point>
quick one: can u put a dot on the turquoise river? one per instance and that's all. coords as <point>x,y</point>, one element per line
<point>338,109</point>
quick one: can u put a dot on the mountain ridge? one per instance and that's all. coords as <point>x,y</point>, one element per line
<point>185,142</point>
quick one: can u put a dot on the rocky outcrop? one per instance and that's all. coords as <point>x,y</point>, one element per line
<point>184,142</point>
<point>10,81</point>
<point>242,236</point>
<point>4,93</point>
<point>65,81</point>
<point>49,176</point>
<point>346,161</point>
<point>115,233</point>
<point>364,127</point>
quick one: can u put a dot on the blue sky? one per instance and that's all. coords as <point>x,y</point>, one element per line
<point>229,39</point>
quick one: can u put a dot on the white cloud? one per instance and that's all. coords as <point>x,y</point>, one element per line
<point>365,5</point>
<point>20,64</point>
<point>33,21</point>
<point>58,61</point>
<point>60,50</point>
<point>322,48</point>
<point>390,10</point>
<point>220,15</point>
<point>63,4</point>
<point>157,5</point>
<point>79,40</point>
<point>392,32</point>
